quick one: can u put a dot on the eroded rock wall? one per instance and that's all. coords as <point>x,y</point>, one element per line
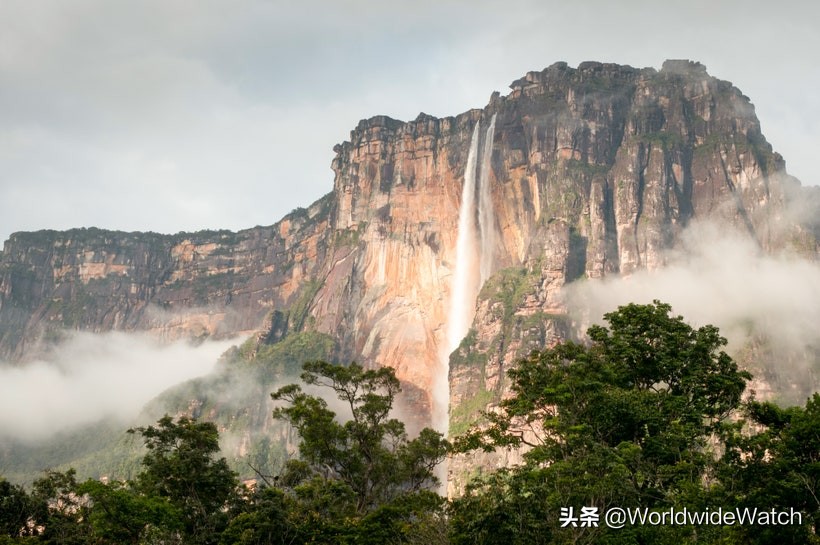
<point>595,171</point>
<point>177,286</point>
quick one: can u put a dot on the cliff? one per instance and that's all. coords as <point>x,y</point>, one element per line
<point>210,283</point>
<point>591,171</point>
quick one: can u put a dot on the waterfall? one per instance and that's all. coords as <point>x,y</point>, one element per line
<point>474,259</point>
<point>486,217</point>
<point>465,283</point>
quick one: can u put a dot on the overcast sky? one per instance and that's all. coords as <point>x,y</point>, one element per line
<point>182,115</point>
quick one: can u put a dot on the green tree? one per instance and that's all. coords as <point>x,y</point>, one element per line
<point>776,468</point>
<point>362,479</point>
<point>267,518</point>
<point>181,496</point>
<point>119,514</point>
<point>627,420</point>
<point>17,509</point>
<point>61,510</point>
<point>180,466</point>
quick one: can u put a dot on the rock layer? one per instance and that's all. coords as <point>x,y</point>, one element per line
<point>595,170</point>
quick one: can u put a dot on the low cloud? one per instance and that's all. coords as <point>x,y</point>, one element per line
<point>768,307</point>
<point>90,377</point>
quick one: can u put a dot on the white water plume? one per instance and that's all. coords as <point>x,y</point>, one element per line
<point>465,283</point>
<point>475,256</point>
<point>486,216</point>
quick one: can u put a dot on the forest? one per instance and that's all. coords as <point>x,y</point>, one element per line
<point>648,414</point>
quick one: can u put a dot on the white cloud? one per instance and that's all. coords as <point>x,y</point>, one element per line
<point>172,115</point>
<point>721,277</point>
<point>95,376</point>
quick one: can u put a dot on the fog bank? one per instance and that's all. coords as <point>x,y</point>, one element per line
<point>93,376</point>
<point>768,307</point>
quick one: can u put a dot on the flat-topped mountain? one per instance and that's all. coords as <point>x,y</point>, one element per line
<point>437,229</point>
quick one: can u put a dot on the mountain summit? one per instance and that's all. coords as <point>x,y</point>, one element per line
<point>480,219</point>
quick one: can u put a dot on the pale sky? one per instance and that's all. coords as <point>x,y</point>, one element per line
<point>175,115</point>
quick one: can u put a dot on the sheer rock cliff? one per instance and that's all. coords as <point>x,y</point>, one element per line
<point>595,171</point>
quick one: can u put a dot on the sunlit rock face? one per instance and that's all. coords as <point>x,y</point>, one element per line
<point>210,283</point>
<point>588,172</point>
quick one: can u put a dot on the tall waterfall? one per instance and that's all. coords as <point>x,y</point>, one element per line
<point>465,283</point>
<point>475,253</point>
<point>486,216</point>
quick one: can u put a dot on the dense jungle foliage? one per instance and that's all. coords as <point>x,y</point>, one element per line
<point>649,414</point>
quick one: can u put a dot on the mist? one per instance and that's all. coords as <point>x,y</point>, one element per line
<point>90,377</point>
<point>768,307</point>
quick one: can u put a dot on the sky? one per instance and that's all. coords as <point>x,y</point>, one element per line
<point>174,115</point>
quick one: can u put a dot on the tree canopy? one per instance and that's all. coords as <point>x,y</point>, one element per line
<point>636,417</point>
<point>360,468</point>
<point>647,413</point>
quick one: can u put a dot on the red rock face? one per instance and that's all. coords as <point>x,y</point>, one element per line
<point>186,285</point>
<point>594,172</point>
